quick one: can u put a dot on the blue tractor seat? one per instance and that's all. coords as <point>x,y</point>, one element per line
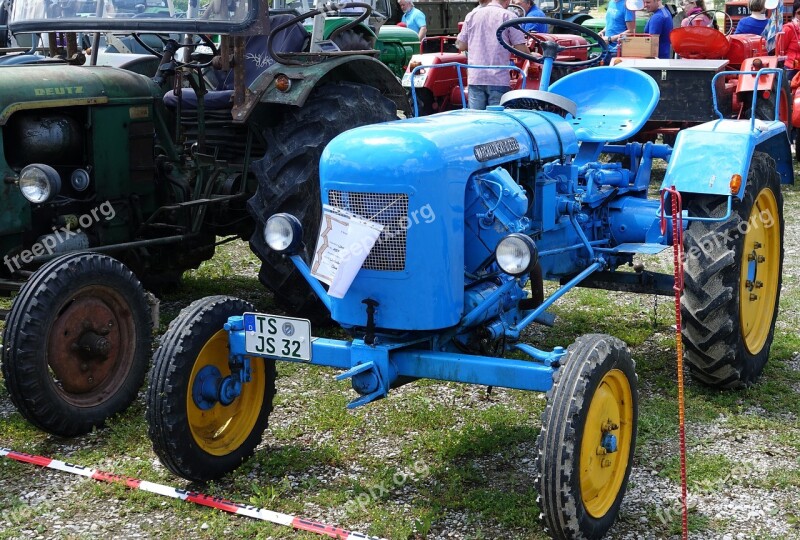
<point>256,61</point>
<point>613,103</point>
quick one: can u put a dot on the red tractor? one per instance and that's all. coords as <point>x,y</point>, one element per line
<point>438,89</point>
<point>686,83</point>
<point>736,10</point>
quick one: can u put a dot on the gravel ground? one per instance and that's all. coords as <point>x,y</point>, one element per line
<point>738,508</point>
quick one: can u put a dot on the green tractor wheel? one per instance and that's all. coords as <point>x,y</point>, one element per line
<point>732,280</point>
<point>76,343</point>
<point>202,441</point>
<point>586,446</point>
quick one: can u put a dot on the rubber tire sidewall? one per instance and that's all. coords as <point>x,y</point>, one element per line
<point>25,363</point>
<point>167,417</point>
<point>711,275</point>
<point>288,179</point>
<point>559,442</point>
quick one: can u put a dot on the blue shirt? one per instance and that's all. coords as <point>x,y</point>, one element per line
<point>535,27</point>
<point>414,19</point>
<point>660,23</point>
<point>749,25</point>
<point>616,17</point>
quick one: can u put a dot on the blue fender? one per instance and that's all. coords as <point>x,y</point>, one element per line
<point>705,157</point>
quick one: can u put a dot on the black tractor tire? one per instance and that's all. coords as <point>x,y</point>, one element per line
<point>288,179</point>
<point>594,395</point>
<point>728,318</point>
<point>195,443</point>
<point>424,99</point>
<point>351,40</point>
<point>160,268</point>
<point>77,343</point>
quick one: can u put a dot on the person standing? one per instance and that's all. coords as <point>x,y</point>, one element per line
<point>478,39</point>
<point>791,33</point>
<point>413,18</point>
<point>756,22</point>
<point>660,24</point>
<point>619,21</point>
<point>532,10</point>
<point>695,11</point>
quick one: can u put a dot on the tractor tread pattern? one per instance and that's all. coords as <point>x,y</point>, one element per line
<point>166,414</point>
<point>558,476</point>
<point>288,178</point>
<point>24,365</point>
<point>712,339</point>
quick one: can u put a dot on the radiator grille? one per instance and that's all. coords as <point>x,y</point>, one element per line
<point>388,209</point>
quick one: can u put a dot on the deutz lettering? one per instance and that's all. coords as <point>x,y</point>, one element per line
<point>59,91</point>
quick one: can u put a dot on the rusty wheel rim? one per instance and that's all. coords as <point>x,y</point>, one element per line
<point>91,345</point>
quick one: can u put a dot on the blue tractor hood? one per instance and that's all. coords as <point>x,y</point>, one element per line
<point>411,175</point>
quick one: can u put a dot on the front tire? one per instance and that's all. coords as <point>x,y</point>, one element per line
<point>77,343</point>
<point>288,179</point>
<point>196,441</point>
<point>732,280</point>
<point>588,437</point>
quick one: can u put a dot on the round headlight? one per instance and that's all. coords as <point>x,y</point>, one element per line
<point>79,180</point>
<point>516,254</point>
<point>283,233</point>
<point>39,183</point>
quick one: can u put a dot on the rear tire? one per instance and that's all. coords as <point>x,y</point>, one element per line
<point>200,443</point>
<point>592,406</point>
<point>424,99</point>
<point>288,179</point>
<point>729,302</point>
<point>77,343</point>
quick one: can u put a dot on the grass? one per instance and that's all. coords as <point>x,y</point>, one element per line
<point>460,452</point>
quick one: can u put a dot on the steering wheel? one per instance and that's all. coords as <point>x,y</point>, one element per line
<point>516,10</point>
<point>551,49</point>
<point>712,15</point>
<point>204,40</point>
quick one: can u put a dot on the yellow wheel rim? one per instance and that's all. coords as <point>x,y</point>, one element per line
<point>758,282</point>
<point>602,474</point>
<point>220,430</point>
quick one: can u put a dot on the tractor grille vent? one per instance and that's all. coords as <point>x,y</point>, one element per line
<point>388,209</point>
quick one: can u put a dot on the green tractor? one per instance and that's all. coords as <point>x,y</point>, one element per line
<point>124,170</point>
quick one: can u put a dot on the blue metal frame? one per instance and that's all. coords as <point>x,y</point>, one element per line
<point>376,368</point>
<point>705,157</point>
<point>777,71</point>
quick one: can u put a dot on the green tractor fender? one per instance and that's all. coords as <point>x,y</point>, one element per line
<point>303,79</point>
<point>332,23</point>
<point>705,157</point>
<point>579,18</point>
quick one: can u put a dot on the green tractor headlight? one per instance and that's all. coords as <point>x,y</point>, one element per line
<point>39,183</point>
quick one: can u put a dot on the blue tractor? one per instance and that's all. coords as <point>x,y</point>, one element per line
<point>477,208</point>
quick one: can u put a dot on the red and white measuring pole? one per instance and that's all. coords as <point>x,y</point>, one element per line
<point>677,261</point>
<point>192,496</point>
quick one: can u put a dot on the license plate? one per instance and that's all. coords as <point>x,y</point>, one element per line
<point>419,80</point>
<point>284,337</point>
